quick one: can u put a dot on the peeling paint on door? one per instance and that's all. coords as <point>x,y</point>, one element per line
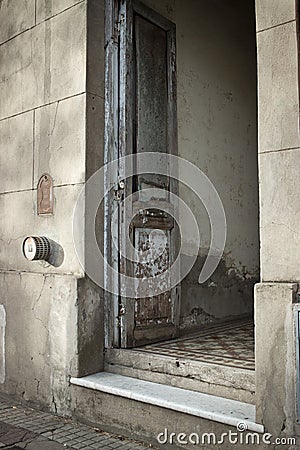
<point>147,122</point>
<point>153,247</point>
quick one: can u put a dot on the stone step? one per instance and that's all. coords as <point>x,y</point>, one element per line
<point>204,406</point>
<point>222,381</point>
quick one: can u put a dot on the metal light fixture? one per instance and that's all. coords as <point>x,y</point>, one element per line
<point>36,248</point>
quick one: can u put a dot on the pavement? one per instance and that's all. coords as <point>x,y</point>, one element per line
<point>22,427</point>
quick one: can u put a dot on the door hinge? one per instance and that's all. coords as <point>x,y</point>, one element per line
<point>122,310</point>
<point>117,28</point>
<point>118,192</point>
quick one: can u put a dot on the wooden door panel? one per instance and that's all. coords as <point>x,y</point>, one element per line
<point>151,108</point>
<point>148,123</point>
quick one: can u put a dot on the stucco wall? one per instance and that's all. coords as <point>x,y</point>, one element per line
<point>217,131</point>
<point>51,91</point>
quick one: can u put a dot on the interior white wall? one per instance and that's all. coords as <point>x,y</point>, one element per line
<point>217,131</point>
<point>217,115</point>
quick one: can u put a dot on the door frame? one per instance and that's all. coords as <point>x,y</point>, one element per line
<point>113,101</point>
<point>111,152</point>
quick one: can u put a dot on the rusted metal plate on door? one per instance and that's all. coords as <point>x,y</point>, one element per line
<point>45,195</point>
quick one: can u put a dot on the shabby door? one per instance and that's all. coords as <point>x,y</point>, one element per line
<point>147,123</point>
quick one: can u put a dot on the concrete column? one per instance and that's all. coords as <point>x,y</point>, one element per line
<point>279,159</point>
<point>275,357</point>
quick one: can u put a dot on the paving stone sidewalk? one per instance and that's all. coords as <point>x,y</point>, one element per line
<point>25,428</point>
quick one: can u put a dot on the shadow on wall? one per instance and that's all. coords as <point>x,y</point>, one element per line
<point>57,254</point>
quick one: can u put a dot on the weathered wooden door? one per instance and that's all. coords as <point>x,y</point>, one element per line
<point>147,123</point>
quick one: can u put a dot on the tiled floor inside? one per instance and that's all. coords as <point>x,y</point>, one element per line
<point>229,343</point>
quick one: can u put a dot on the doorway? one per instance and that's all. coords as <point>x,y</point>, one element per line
<point>185,83</point>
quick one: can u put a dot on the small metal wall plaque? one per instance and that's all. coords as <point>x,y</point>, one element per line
<point>45,195</point>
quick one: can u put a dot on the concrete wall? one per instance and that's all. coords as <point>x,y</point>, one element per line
<point>279,157</point>
<point>51,92</point>
<point>217,131</point>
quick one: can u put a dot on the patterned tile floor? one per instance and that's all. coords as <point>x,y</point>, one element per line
<point>22,427</point>
<point>229,343</point>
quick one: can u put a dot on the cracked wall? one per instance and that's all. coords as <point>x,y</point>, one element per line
<point>51,92</point>
<point>41,338</point>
